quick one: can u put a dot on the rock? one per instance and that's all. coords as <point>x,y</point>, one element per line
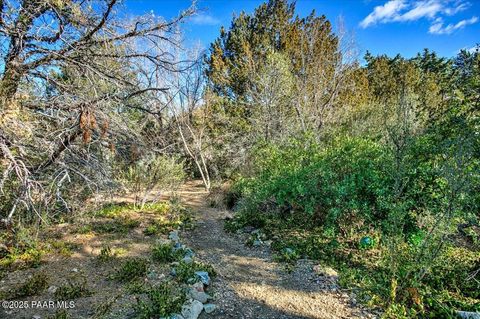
<point>174,236</point>
<point>248,229</point>
<point>468,315</point>
<point>189,253</point>
<point>325,271</point>
<point>176,316</point>
<point>187,260</point>
<point>199,295</point>
<point>177,246</point>
<point>198,286</point>
<point>192,310</point>
<point>36,317</point>
<point>52,289</point>
<point>209,307</point>
<point>75,270</point>
<point>257,243</point>
<point>204,277</point>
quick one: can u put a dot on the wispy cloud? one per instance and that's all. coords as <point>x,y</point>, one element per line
<point>433,10</point>
<point>428,9</point>
<point>385,13</point>
<point>438,27</point>
<point>204,19</point>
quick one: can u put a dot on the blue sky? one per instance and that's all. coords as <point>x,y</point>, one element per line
<point>380,26</point>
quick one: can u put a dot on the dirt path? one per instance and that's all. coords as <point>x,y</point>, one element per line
<point>249,283</point>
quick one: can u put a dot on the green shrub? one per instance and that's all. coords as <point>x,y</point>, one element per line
<point>75,288</point>
<point>33,286</point>
<point>151,230</point>
<point>120,225</point>
<point>162,301</point>
<point>186,271</point>
<point>61,314</point>
<point>106,254</point>
<point>165,253</point>
<point>322,201</point>
<point>349,176</point>
<point>131,269</point>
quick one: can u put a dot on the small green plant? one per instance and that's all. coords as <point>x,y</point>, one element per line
<point>137,287</point>
<point>131,269</point>
<point>61,314</point>
<point>160,208</point>
<point>151,230</point>
<point>162,301</point>
<point>186,271</point>
<point>64,248</point>
<point>288,255</point>
<point>165,253</point>
<point>33,286</point>
<point>85,229</point>
<point>120,225</point>
<point>104,307</point>
<point>106,254</point>
<point>113,210</point>
<point>75,288</point>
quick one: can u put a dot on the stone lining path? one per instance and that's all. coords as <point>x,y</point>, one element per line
<point>249,283</point>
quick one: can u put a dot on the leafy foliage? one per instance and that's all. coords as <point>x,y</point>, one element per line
<point>131,269</point>
<point>162,301</point>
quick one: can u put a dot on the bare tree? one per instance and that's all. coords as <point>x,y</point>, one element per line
<point>190,114</point>
<point>74,73</point>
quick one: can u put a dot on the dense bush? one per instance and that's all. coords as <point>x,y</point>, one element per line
<point>351,176</point>
<point>318,201</point>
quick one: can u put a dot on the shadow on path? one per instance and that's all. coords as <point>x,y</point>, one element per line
<point>249,283</point>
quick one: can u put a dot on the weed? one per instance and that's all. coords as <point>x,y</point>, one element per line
<point>85,229</point>
<point>62,314</point>
<point>162,301</point>
<point>120,225</point>
<point>33,286</point>
<point>186,271</point>
<point>131,269</point>
<point>64,248</point>
<point>151,230</point>
<point>75,288</point>
<point>113,210</point>
<point>106,254</point>
<point>161,208</point>
<point>137,287</point>
<point>165,253</point>
<point>102,309</point>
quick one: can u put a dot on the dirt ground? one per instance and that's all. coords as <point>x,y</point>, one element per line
<point>249,283</point>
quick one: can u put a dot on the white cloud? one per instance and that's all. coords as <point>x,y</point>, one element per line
<point>433,10</point>
<point>383,13</point>
<point>422,9</point>
<point>204,19</point>
<point>438,27</point>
